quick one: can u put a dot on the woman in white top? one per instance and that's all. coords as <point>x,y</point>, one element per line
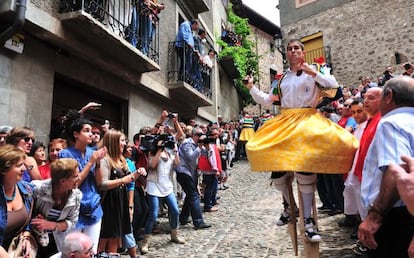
<point>161,164</point>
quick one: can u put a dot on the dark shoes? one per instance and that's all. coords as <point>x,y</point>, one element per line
<point>349,221</point>
<point>334,212</point>
<point>324,208</point>
<point>185,222</point>
<point>202,226</point>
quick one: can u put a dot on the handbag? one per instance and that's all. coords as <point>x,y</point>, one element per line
<point>16,249</point>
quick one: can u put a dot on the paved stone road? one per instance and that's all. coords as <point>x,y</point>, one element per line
<point>245,225</point>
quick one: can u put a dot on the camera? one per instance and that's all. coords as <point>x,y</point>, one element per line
<point>151,142</point>
<point>207,140</point>
<point>248,73</point>
<point>170,115</point>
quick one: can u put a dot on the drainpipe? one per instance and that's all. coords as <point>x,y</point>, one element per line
<point>17,24</point>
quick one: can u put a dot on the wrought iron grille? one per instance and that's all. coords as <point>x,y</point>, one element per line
<point>132,20</point>
<point>323,51</point>
<point>184,66</point>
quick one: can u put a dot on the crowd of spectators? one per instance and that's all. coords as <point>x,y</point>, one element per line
<point>92,180</point>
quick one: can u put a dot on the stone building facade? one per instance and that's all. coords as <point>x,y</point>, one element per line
<point>365,36</point>
<point>72,58</point>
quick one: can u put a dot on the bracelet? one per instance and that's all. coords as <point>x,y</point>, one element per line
<point>374,209</point>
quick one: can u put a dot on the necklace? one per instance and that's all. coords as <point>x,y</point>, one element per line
<point>10,199</point>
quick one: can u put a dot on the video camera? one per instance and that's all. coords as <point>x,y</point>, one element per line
<point>207,140</point>
<point>150,142</point>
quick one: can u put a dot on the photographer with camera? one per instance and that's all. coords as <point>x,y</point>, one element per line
<point>189,153</point>
<point>161,161</point>
<point>209,165</point>
<point>164,119</point>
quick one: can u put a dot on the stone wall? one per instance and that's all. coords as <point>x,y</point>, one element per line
<point>364,36</point>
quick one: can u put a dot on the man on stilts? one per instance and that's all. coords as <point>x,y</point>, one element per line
<point>299,139</point>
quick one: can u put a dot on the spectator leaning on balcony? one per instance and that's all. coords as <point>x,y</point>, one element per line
<point>198,54</point>
<point>208,64</point>
<point>184,45</point>
<point>150,11</point>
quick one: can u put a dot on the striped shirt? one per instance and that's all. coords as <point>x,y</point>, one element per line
<point>394,137</point>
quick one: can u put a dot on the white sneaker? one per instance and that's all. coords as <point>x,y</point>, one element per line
<point>311,232</point>
<point>284,219</point>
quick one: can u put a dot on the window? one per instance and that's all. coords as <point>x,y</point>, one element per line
<point>300,3</point>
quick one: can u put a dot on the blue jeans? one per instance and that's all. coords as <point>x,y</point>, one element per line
<point>210,191</point>
<point>153,211</point>
<point>191,201</point>
<point>147,34</point>
<point>132,36</point>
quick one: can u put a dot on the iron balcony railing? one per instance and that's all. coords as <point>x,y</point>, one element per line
<point>184,66</point>
<point>317,53</point>
<point>132,20</point>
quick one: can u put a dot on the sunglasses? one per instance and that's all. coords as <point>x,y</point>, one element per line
<point>198,134</point>
<point>27,139</point>
<point>299,73</point>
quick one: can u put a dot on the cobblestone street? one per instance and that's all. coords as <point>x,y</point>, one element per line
<point>245,225</point>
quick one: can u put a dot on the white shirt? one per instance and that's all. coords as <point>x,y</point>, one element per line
<point>297,91</point>
<point>163,186</point>
<point>352,179</point>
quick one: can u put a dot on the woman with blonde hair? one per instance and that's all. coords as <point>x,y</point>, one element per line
<point>57,205</point>
<point>16,197</point>
<point>112,176</point>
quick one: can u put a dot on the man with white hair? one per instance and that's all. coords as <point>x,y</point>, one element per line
<point>76,245</point>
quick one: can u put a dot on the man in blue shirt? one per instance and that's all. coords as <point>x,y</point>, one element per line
<point>388,229</point>
<point>189,153</point>
<point>184,43</point>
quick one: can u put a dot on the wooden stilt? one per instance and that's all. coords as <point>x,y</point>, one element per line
<point>292,223</point>
<point>311,249</point>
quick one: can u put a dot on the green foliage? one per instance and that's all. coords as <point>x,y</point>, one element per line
<point>244,57</point>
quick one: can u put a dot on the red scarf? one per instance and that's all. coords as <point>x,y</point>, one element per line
<point>365,142</point>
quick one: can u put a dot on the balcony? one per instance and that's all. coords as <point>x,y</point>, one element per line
<point>187,80</point>
<point>197,6</point>
<point>118,31</point>
<point>227,63</point>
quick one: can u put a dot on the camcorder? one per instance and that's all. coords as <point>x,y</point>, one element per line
<point>152,142</point>
<point>207,140</point>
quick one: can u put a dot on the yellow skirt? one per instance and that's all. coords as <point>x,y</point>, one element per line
<point>246,134</point>
<point>301,140</point>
